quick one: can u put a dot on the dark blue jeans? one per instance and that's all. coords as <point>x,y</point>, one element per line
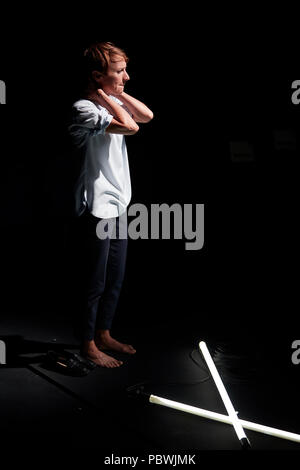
<point>105,268</point>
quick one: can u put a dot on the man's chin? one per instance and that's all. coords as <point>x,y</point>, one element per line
<point>115,92</point>
<point>120,89</point>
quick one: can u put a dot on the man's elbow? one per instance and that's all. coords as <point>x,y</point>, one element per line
<point>132,129</point>
<point>149,116</point>
<point>146,117</point>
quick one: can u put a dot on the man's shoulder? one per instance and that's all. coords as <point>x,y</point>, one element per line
<point>83,104</point>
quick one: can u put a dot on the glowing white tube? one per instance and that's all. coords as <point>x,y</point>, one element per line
<point>224,418</point>
<point>224,395</point>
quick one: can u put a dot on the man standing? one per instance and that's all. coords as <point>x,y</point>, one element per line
<point>100,121</point>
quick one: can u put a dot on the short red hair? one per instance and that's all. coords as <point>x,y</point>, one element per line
<point>100,54</point>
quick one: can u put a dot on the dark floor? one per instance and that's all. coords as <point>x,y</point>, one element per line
<point>41,407</point>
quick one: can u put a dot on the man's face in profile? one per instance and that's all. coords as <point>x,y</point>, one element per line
<point>116,77</point>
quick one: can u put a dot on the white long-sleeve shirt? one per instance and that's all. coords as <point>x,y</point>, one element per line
<point>105,178</point>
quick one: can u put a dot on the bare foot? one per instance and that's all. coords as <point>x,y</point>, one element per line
<point>103,340</point>
<point>90,351</point>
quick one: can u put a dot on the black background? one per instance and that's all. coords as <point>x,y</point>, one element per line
<point>205,90</point>
<point>209,80</point>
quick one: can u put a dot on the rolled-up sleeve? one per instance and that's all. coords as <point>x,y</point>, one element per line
<point>88,120</point>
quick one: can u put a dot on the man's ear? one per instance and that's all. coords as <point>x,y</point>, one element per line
<point>97,76</point>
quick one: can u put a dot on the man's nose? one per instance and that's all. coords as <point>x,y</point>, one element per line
<point>126,76</point>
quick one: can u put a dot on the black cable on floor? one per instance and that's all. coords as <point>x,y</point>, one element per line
<point>62,387</point>
<point>197,362</point>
